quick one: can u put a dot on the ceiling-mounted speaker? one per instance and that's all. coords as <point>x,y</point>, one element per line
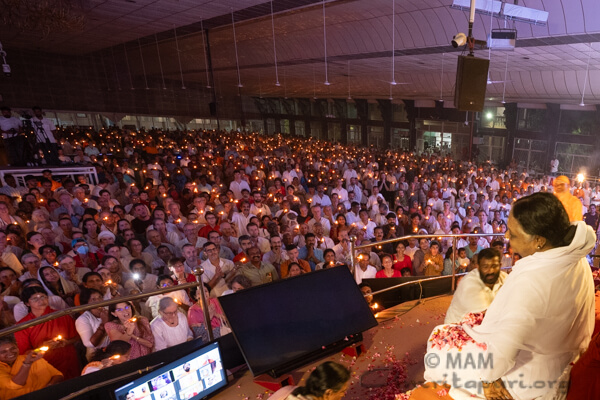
<point>471,83</point>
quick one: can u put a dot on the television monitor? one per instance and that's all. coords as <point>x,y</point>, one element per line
<point>195,376</point>
<point>288,323</point>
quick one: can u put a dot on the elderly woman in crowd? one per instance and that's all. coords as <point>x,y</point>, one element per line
<point>170,328</point>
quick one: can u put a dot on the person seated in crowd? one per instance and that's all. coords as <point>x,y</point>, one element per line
<point>310,252</point>
<point>115,353</point>
<point>179,296</point>
<point>217,271</point>
<point>170,327</point>
<point>124,324</point>
<point>328,260</point>
<point>68,269</point>
<point>294,269</point>
<point>49,255</point>
<point>10,284</point>
<point>239,282</point>
<point>196,316</point>
<point>257,271</point>
<point>293,253</point>
<point>477,290</point>
<point>90,324</point>
<point>57,285</point>
<point>245,243</point>
<point>224,252</point>
<point>364,270</point>
<point>388,270</point>
<point>59,335</point>
<point>25,373</point>
<point>159,267</point>
<point>400,259</point>
<point>433,261</point>
<point>83,256</point>
<point>277,254</point>
<point>140,280</point>
<point>20,310</point>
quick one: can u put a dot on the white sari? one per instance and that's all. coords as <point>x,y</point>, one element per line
<point>541,320</point>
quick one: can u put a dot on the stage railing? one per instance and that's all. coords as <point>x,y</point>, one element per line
<point>57,172</point>
<point>454,237</point>
<point>78,309</point>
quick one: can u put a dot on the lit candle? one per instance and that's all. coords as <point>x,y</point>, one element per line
<point>42,349</point>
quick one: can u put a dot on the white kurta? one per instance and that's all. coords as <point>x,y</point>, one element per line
<point>168,336</point>
<point>541,319</point>
<point>472,295</point>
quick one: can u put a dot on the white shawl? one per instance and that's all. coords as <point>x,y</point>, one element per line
<point>542,317</point>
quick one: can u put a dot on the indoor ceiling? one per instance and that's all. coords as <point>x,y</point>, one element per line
<point>556,63</point>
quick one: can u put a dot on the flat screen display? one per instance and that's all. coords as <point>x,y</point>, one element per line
<point>285,320</point>
<point>193,377</point>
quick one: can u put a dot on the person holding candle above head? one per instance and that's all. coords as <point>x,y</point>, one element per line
<point>124,324</point>
<point>22,374</point>
<point>59,334</point>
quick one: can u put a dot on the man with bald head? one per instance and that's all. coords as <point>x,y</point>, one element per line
<point>562,191</point>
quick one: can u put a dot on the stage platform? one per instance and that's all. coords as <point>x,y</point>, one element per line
<point>394,355</point>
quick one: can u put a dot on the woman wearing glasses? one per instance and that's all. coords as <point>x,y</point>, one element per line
<point>123,325</point>
<point>59,334</point>
<point>170,328</point>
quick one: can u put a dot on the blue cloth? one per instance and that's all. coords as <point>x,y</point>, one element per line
<point>303,253</point>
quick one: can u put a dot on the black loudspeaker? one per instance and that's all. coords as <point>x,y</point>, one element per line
<point>212,107</point>
<point>471,82</point>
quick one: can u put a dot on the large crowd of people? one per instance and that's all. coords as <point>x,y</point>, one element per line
<point>249,209</point>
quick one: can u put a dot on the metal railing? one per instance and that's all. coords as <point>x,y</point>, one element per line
<point>90,306</point>
<point>454,237</point>
<point>58,172</point>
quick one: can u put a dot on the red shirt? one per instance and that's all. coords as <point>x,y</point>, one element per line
<point>64,358</point>
<point>381,274</point>
<point>406,263</point>
<point>205,230</point>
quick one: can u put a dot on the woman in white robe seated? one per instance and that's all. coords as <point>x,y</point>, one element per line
<point>539,322</point>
